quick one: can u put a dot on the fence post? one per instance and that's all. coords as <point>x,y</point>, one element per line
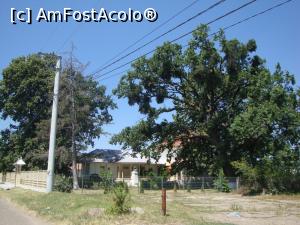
<point>189,185</point>
<point>164,201</point>
<point>81,183</point>
<point>237,183</point>
<point>16,178</point>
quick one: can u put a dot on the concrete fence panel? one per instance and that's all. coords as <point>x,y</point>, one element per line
<point>35,180</point>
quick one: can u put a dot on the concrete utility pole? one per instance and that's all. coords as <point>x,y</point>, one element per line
<point>51,154</point>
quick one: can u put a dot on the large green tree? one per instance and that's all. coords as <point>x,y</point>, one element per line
<point>7,157</point>
<point>83,110</point>
<point>225,105</point>
<point>26,97</point>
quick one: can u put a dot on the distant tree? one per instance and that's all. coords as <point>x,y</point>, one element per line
<point>26,97</point>
<point>225,105</point>
<point>7,157</point>
<point>83,110</point>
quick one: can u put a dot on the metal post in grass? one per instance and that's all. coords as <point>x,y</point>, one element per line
<point>237,183</point>
<point>189,185</point>
<point>141,186</point>
<point>81,182</point>
<point>175,186</point>
<point>164,201</point>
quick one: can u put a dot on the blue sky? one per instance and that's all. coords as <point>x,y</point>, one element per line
<point>277,35</point>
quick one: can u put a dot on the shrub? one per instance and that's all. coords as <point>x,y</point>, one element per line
<point>107,182</point>
<point>95,181</point>
<point>63,184</point>
<point>221,183</point>
<point>251,180</point>
<point>120,196</point>
<point>154,181</point>
<point>273,175</point>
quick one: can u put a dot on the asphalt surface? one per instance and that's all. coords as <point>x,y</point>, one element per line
<point>12,215</point>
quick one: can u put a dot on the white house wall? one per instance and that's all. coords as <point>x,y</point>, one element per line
<point>116,168</point>
<point>94,168</point>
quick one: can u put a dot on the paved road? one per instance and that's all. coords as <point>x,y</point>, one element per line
<point>11,215</point>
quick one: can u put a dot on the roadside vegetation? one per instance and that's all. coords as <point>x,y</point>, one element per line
<point>231,114</point>
<point>95,207</point>
<point>198,207</point>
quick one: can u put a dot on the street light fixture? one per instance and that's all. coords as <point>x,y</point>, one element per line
<point>18,166</point>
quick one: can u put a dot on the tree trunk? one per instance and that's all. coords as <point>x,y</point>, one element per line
<point>74,162</point>
<point>73,150</point>
<point>73,119</point>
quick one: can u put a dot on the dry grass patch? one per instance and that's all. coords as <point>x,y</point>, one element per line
<point>75,208</point>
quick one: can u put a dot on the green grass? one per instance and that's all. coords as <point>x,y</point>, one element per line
<point>64,208</point>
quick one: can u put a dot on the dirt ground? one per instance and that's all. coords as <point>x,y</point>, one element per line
<point>244,210</point>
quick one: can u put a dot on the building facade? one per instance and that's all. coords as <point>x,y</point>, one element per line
<point>122,165</point>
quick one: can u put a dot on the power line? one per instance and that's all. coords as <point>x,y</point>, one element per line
<point>257,14</point>
<point>178,38</point>
<point>152,31</point>
<point>49,37</point>
<point>114,75</point>
<point>158,37</point>
<point>68,38</point>
<point>225,28</point>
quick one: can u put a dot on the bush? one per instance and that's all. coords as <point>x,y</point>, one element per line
<point>251,180</point>
<point>120,194</point>
<point>63,184</point>
<point>270,175</point>
<point>107,182</point>
<point>221,183</point>
<point>154,181</point>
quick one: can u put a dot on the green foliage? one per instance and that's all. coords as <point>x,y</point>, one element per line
<point>164,173</point>
<point>91,106</point>
<point>221,183</point>
<point>25,97</point>
<point>271,175</point>
<point>154,180</point>
<point>225,106</point>
<point>249,176</point>
<point>26,92</point>
<point>63,184</point>
<point>7,157</point>
<point>107,181</point>
<point>120,195</point>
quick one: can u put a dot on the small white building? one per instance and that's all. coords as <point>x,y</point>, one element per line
<point>122,165</point>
